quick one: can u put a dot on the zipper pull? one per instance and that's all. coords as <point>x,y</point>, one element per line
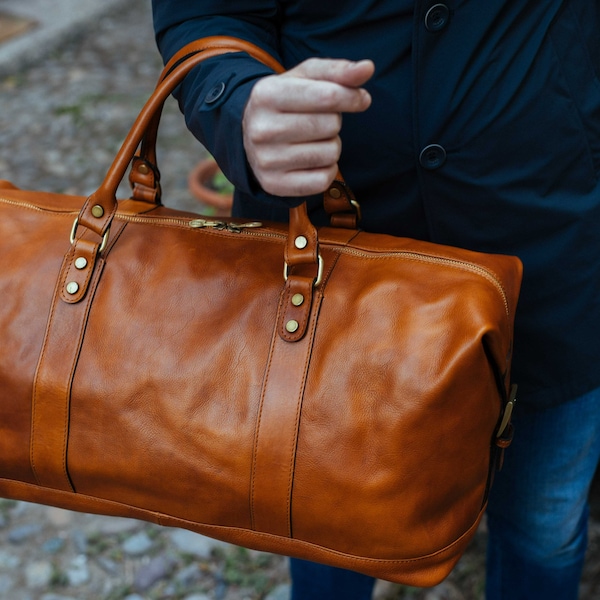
<point>238,227</point>
<point>201,223</point>
<point>221,225</point>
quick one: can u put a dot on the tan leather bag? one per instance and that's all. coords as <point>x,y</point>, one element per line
<point>330,394</point>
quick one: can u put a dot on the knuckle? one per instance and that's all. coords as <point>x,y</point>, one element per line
<point>263,162</point>
<point>325,126</point>
<point>259,131</point>
<point>264,89</point>
<point>328,96</point>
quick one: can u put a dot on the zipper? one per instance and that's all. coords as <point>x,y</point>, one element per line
<point>251,227</point>
<point>191,223</point>
<point>30,206</point>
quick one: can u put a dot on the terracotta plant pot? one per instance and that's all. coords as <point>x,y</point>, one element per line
<point>201,185</point>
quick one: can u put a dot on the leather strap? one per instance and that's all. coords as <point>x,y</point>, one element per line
<point>52,388</point>
<point>54,377</point>
<point>144,176</point>
<point>147,154</point>
<point>277,429</point>
<point>100,208</point>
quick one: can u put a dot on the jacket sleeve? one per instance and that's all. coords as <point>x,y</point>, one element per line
<point>213,95</point>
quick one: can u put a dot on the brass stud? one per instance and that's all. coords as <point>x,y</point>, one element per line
<point>81,263</point>
<point>297,299</point>
<point>72,287</point>
<point>335,193</point>
<point>97,211</point>
<point>292,326</point>
<point>300,242</point>
<point>143,169</point>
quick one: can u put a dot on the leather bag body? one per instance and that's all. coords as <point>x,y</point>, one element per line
<point>329,394</point>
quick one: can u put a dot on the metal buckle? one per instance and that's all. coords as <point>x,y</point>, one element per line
<point>508,410</point>
<point>74,231</point>
<point>357,208</point>
<point>319,278</point>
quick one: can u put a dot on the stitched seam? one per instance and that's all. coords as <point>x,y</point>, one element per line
<point>85,309</point>
<point>258,424</point>
<point>299,400</point>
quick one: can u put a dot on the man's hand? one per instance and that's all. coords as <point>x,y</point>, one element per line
<point>292,121</point>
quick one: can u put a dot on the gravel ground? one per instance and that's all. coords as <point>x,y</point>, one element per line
<point>61,123</point>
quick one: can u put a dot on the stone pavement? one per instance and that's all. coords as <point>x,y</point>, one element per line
<point>31,29</point>
<point>70,87</point>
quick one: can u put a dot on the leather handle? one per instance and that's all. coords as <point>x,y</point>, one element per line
<point>98,211</point>
<point>144,176</point>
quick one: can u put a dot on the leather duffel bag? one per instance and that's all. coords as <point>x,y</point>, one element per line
<point>324,393</point>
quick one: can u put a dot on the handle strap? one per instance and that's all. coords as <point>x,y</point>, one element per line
<point>144,177</point>
<point>303,262</point>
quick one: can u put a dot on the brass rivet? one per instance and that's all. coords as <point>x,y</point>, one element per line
<point>292,326</point>
<point>72,287</point>
<point>97,211</point>
<point>143,169</point>
<point>297,299</point>
<point>300,242</point>
<point>335,193</point>
<point>81,263</point>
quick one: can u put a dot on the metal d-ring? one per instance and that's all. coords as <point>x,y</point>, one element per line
<point>74,231</point>
<point>319,278</point>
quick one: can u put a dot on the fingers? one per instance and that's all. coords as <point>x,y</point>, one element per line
<point>291,123</point>
<point>299,183</point>
<point>297,157</point>
<point>293,128</point>
<point>292,93</point>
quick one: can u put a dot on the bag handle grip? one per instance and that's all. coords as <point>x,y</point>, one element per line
<point>99,209</point>
<point>144,176</point>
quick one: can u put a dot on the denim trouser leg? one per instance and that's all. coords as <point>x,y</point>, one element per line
<point>538,508</point>
<point>311,581</point>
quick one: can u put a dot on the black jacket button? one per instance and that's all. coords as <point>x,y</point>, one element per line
<point>432,157</point>
<point>215,93</point>
<point>437,17</point>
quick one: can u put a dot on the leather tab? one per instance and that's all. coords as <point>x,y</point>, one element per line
<point>144,179</point>
<point>302,245</point>
<point>149,195</point>
<point>344,220</point>
<point>341,205</point>
<point>77,270</point>
<point>98,211</point>
<point>294,313</point>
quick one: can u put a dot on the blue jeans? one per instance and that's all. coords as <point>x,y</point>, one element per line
<point>537,513</point>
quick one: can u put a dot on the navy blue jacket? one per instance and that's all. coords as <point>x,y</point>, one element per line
<point>484,132</point>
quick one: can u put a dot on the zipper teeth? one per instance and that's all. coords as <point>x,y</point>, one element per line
<point>184,222</point>
<point>451,262</point>
<point>30,206</point>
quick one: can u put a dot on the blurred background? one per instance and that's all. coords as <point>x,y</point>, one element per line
<point>73,76</point>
